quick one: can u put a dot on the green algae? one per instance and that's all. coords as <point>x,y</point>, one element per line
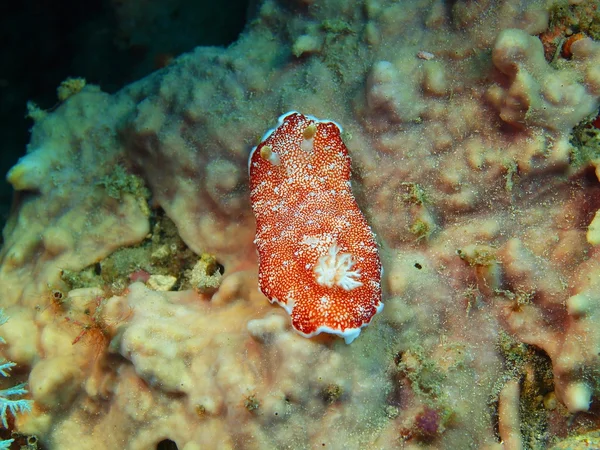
<point>426,378</point>
<point>421,229</point>
<point>119,182</point>
<point>585,140</point>
<point>251,403</point>
<point>332,393</point>
<point>415,194</point>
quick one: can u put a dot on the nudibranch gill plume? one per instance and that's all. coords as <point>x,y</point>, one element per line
<point>318,257</point>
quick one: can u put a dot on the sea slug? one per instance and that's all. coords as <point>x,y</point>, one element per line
<point>318,257</point>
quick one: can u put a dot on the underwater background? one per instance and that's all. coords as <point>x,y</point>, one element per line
<point>109,43</point>
<point>131,314</point>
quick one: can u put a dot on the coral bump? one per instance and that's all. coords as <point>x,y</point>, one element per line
<point>318,257</point>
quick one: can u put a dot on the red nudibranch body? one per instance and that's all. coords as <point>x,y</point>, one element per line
<point>317,255</point>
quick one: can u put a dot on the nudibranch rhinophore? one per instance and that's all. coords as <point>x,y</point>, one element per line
<point>318,257</point>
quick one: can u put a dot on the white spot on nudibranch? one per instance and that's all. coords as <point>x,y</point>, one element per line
<point>335,268</point>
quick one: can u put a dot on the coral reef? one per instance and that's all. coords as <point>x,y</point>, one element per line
<point>475,161</point>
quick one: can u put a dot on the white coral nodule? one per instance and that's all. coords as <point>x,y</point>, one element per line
<point>335,268</point>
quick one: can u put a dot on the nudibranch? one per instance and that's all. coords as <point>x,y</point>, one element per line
<point>318,258</point>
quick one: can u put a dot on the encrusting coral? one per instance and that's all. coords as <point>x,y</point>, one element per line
<point>458,119</point>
